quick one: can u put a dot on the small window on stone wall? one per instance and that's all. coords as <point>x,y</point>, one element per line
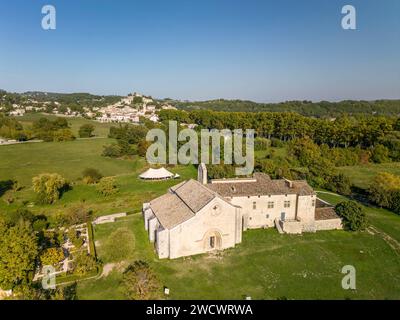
<point>313,203</point>
<point>216,210</point>
<point>254,205</point>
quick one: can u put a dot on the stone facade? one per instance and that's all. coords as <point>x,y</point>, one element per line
<point>195,217</point>
<point>215,226</point>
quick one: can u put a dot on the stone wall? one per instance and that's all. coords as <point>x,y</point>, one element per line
<point>192,236</point>
<point>292,226</point>
<point>329,224</point>
<point>261,216</point>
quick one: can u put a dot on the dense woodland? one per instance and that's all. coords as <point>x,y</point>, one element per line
<point>307,108</point>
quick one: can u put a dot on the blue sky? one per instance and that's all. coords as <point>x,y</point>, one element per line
<point>203,49</point>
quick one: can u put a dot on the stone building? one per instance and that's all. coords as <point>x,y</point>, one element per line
<point>200,216</point>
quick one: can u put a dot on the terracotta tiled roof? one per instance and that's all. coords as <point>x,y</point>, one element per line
<point>263,185</point>
<point>325,213</point>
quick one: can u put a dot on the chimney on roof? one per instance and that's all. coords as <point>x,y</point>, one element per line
<point>289,182</point>
<point>202,173</point>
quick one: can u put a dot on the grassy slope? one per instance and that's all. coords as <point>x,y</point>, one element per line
<point>361,175</point>
<point>265,266</point>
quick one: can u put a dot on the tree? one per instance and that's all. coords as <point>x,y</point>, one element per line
<point>91,176</point>
<point>107,186</point>
<point>63,135</point>
<point>86,130</point>
<point>142,147</point>
<point>73,236</point>
<point>111,150</point>
<point>395,201</point>
<point>52,256</point>
<point>381,187</point>
<point>76,215</point>
<point>339,183</point>
<point>380,154</point>
<point>353,215</point>
<point>140,282</point>
<point>48,187</point>
<point>18,252</point>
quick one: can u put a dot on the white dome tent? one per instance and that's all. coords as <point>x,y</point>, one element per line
<point>157,174</point>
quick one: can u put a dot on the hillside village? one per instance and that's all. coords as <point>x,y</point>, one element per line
<point>128,109</point>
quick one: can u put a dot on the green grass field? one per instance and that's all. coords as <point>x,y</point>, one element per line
<point>24,161</point>
<point>266,265</point>
<point>101,129</point>
<point>361,175</point>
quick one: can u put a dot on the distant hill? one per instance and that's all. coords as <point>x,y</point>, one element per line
<point>307,108</point>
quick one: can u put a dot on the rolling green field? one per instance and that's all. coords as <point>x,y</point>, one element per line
<point>24,161</point>
<point>361,175</point>
<point>266,265</point>
<point>101,129</point>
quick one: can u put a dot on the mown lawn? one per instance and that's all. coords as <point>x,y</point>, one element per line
<point>361,175</point>
<point>23,162</point>
<point>266,265</point>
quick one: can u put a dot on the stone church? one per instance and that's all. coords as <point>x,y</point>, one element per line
<point>195,217</point>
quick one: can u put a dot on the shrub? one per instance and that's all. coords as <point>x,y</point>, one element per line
<point>395,201</point>
<point>63,135</point>
<point>380,154</point>
<point>83,263</point>
<point>353,215</point>
<point>339,183</point>
<point>76,215</point>
<point>74,238</point>
<point>382,185</point>
<point>140,282</point>
<point>107,186</point>
<point>112,151</point>
<point>91,176</point>
<point>276,143</point>
<point>86,130</point>
<point>51,256</point>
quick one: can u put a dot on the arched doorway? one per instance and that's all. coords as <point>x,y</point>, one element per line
<point>212,240</point>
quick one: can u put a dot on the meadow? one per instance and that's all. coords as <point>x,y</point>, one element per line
<point>22,162</point>
<point>266,265</point>
<point>361,175</point>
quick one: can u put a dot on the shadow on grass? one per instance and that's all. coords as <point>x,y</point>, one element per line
<point>5,186</point>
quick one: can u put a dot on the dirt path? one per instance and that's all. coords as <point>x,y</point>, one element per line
<point>393,243</point>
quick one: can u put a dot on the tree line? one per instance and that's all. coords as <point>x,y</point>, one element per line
<point>305,107</point>
<point>344,131</point>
